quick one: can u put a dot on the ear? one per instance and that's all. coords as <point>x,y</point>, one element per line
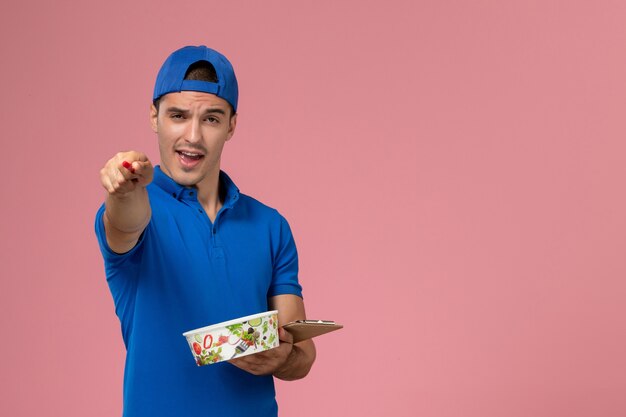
<point>231,126</point>
<point>154,114</point>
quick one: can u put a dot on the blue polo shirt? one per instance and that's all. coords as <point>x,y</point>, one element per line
<point>187,272</point>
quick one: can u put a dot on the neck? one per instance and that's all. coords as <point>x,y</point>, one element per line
<point>209,194</point>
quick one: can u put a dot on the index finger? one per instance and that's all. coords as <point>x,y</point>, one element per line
<point>140,167</point>
<point>143,171</point>
<point>128,166</point>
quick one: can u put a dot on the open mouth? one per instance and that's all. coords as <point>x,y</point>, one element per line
<point>189,158</point>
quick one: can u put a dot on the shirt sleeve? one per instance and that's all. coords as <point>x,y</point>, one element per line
<point>122,272</point>
<point>285,263</point>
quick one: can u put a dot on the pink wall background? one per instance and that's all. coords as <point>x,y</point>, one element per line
<point>453,172</point>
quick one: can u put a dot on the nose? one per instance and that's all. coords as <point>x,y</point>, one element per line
<point>193,133</point>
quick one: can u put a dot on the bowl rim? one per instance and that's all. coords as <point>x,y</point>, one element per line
<point>229,322</point>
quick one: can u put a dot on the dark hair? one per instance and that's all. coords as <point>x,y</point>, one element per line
<point>200,71</point>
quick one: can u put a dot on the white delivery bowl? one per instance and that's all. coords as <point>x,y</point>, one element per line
<point>234,338</point>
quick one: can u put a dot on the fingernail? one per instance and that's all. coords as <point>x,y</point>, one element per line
<point>128,166</point>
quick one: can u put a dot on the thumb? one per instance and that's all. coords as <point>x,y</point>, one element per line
<point>284,335</point>
<point>143,171</point>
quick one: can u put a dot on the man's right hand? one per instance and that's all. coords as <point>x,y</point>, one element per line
<point>127,212</point>
<point>126,172</point>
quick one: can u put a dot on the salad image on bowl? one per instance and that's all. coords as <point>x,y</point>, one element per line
<point>234,338</point>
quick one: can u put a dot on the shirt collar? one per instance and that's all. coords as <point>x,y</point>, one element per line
<point>179,192</point>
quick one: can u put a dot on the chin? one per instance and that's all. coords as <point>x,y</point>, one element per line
<point>185,180</point>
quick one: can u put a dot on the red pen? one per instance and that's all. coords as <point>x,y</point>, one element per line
<point>128,166</point>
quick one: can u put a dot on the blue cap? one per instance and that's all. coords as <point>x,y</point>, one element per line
<point>171,77</point>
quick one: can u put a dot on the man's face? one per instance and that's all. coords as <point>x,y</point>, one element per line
<point>192,128</point>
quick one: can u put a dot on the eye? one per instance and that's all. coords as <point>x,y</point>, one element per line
<point>177,116</point>
<point>212,119</point>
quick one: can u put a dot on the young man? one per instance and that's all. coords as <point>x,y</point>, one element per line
<point>183,248</point>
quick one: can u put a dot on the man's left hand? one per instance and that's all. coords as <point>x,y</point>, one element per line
<point>269,361</point>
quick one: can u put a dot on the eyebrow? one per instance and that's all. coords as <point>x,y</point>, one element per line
<point>185,111</point>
